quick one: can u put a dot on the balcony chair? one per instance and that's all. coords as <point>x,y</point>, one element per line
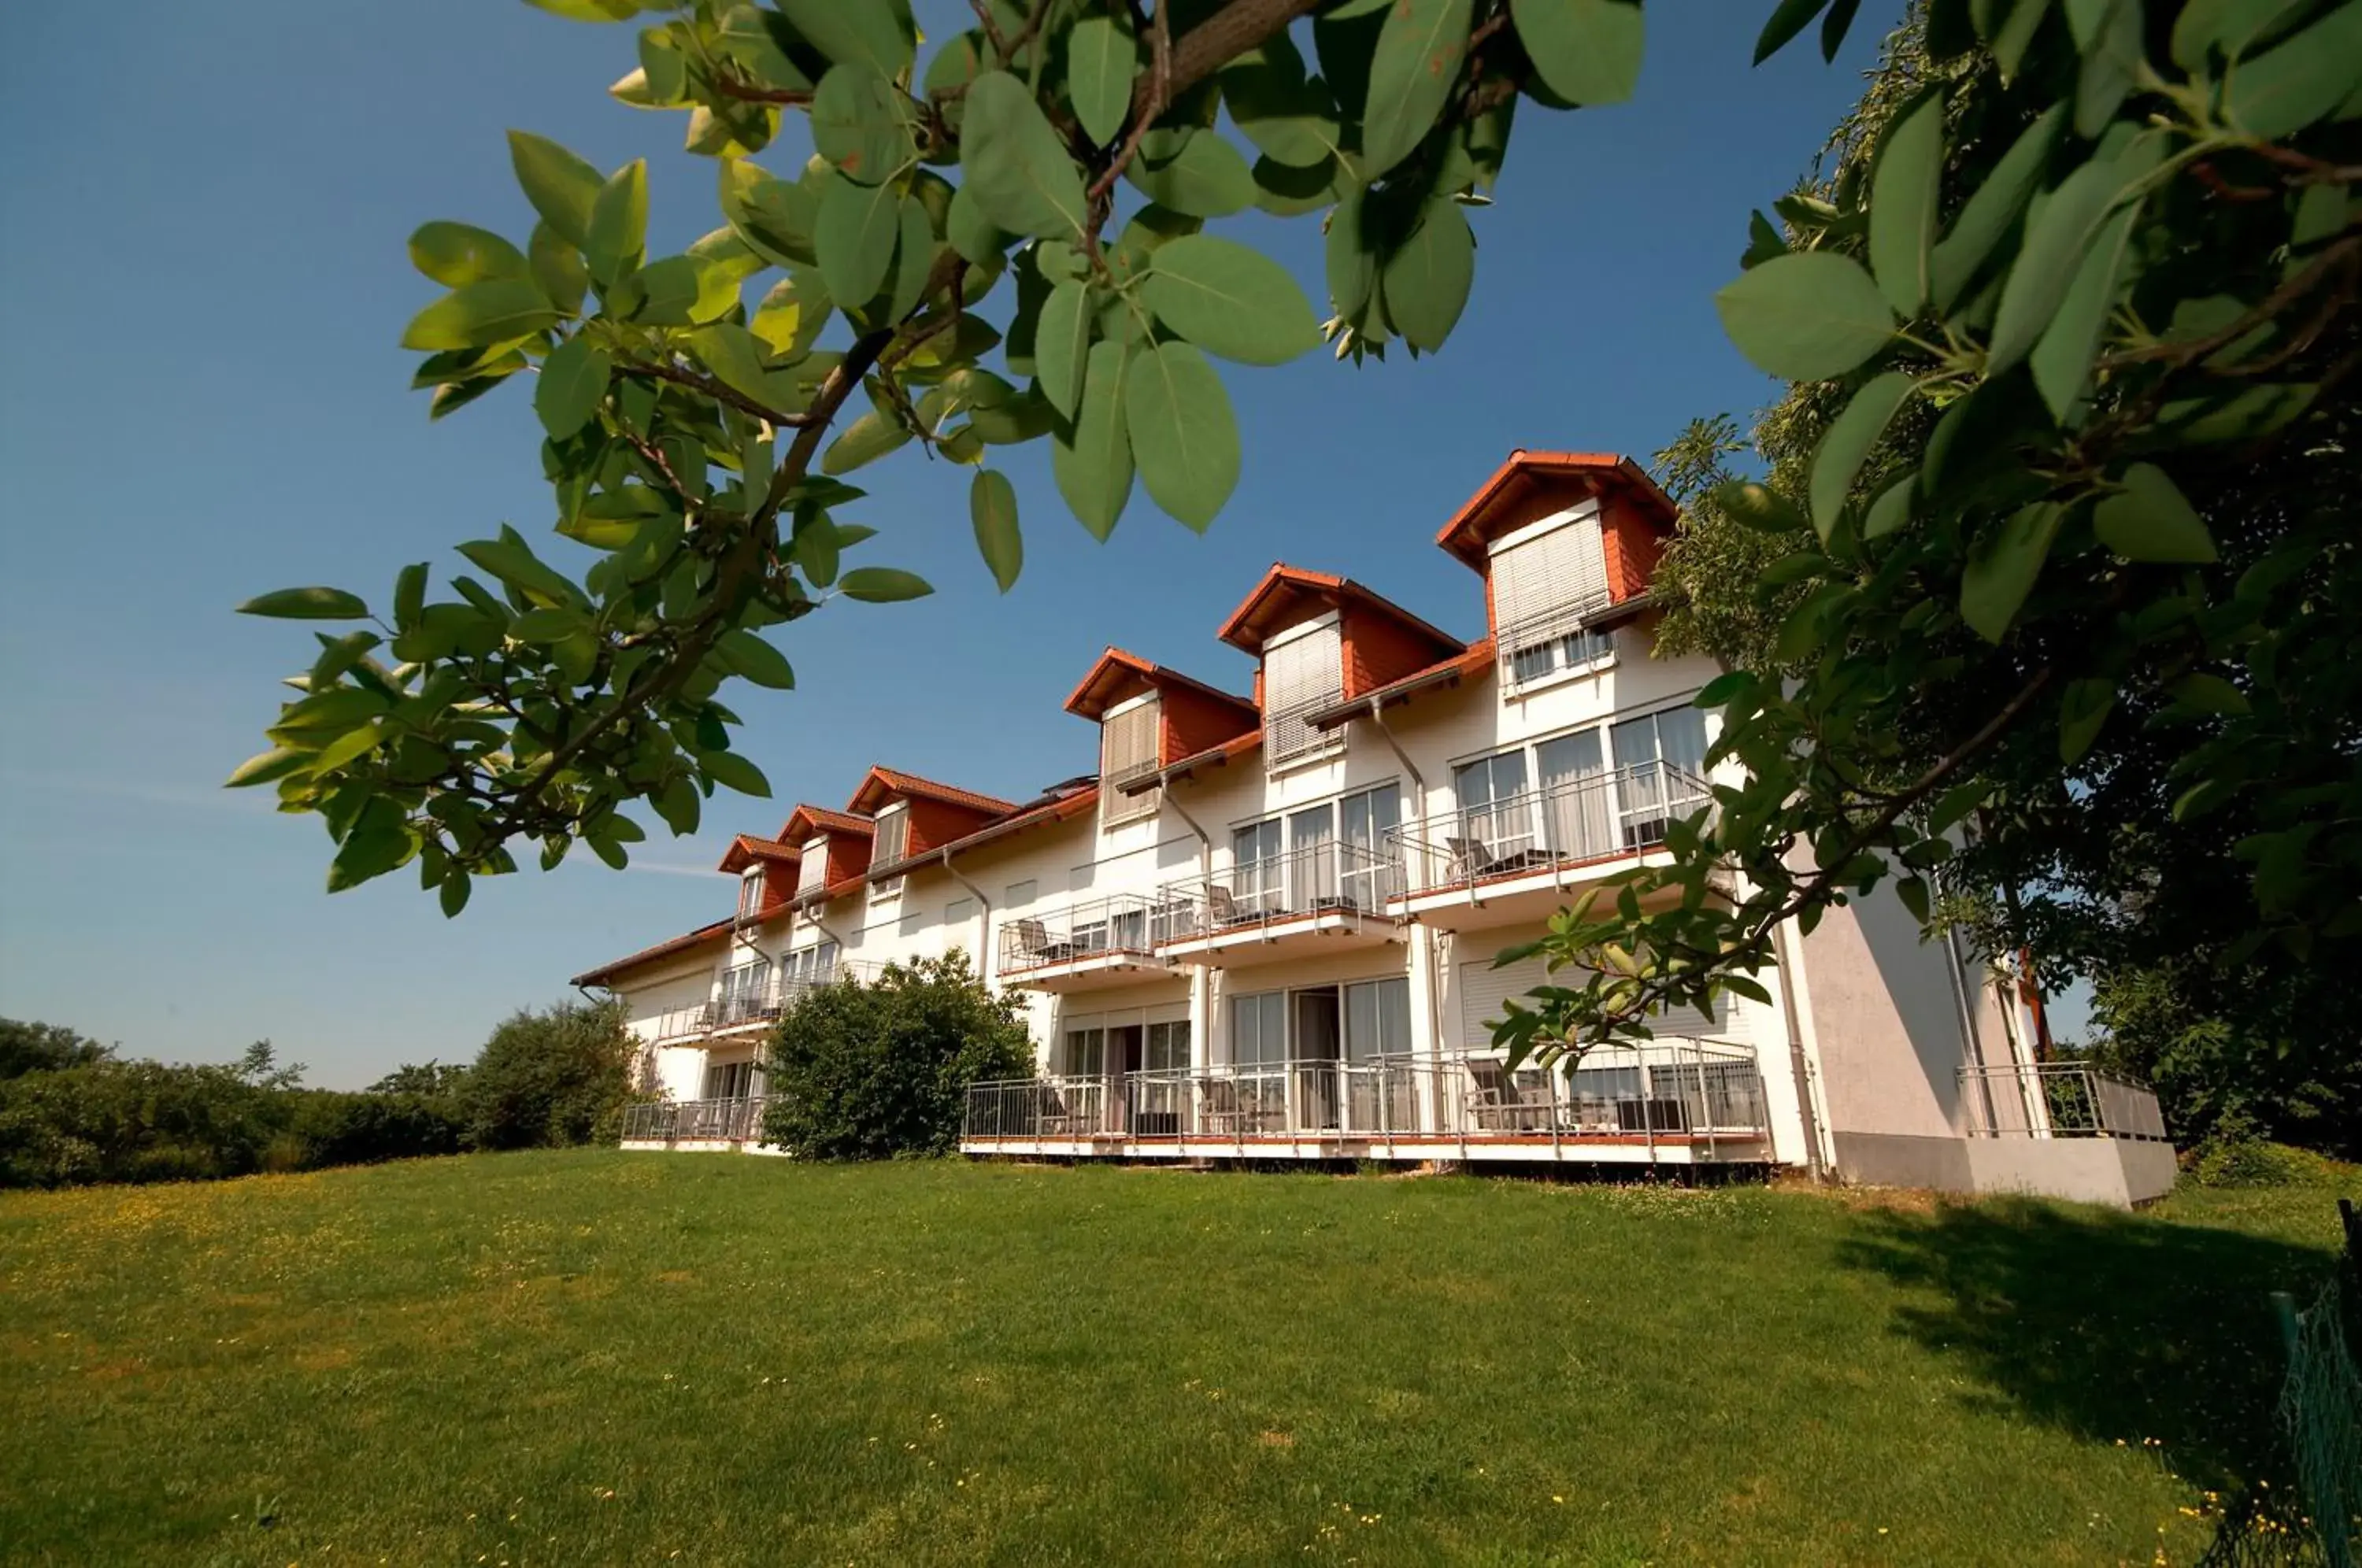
<point>1218,1108</point>
<point>1501,1104</point>
<point>1469,859</point>
<point>1222,909</point>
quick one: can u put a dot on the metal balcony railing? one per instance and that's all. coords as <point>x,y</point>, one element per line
<point>762,1000</point>
<point>1328,877</point>
<point>2057,1099</point>
<point>1598,816</point>
<point>1118,924</point>
<point>736,1120</point>
<point>1524,648</point>
<point>1668,1091</point>
<point>681,1023</point>
<point>795,985</point>
<point>1289,736</point>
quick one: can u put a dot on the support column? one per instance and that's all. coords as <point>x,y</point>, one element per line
<point>1427,1019</point>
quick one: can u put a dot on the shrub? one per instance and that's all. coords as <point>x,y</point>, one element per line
<point>337,1129</point>
<point>867,1072</point>
<point>2236,1154</point>
<point>113,1121</point>
<point>45,1048</point>
<point>550,1079</point>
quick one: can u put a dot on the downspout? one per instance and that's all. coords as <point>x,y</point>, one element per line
<point>1799,1067</point>
<point>985,967</point>
<point>1973,1043</point>
<point>1201,975</point>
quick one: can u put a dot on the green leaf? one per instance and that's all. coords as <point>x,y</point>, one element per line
<point>2150,520</point>
<point>1987,214</point>
<point>511,560</point>
<point>733,771</point>
<point>1588,51</point>
<point>552,625</point>
<point>1427,280</point>
<point>558,269</point>
<point>2061,361</point>
<point>307,604</point>
<point>734,355</point>
<point>755,659</point>
<point>1091,457</point>
<point>2002,570</point>
<point>1290,120</point>
<point>1060,345</point>
<point>1719,692</point>
<point>1903,190</point>
<point>2014,33</point>
<point>1208,178</point>
<point>1913,891</point>
<point>676,291</point>
<point>1848,442</point>
<point>1414,71</point>
<point>1810,316</point>
<point>861,123</point>
<point>379,842</point>
<point>619,225</point>
<point>2055,243</point>
<point>1791,18</point>
<point>479,315</point>
<point>1101,60</point>
<point>883,585</point>
<point>561,186</point>
<point>1023,178</point>
<point>453,890</point>
<point>2204,693</point>
<point>774,218</point>
<point>865,31</point>
<point>2292,85</point>
<point>816,547</point>
<point>1229,300</point>
<point>409,595</point>
<point>864,441</point>
<point>1351,265</point>
<point>1891,510</point>
<point>277,763</point>
<point>1757,506</point>
<point>457,254</point>
<point>573,382</point>
<point>1184,435</point>
<point>2082,712</point>
<point>914,259</point>
<point>992,507</point>
<point>855,236</point>
<point>973,235</point>
<point>2227,25</point>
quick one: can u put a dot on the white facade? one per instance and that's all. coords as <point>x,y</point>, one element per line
<point>1283,945</point>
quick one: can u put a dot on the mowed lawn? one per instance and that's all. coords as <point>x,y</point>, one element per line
<point>601,1357</point>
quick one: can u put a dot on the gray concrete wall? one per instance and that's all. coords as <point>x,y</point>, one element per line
<point>2117,1171</point>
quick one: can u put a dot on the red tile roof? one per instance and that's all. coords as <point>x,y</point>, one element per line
<point>1443,672</point>
<point>747,848</point>
<point>819,819</point>
<point>1096,692</point>
<point>1466,534</point>
<point>884,782</point>
<point>718,931</point>
<point>1284,587</point>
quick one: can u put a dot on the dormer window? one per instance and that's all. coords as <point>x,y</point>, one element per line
<point>750,893</point>
<point>1550,581</point>
<point>1303,672</point>
<point>893,834</point>
<point>812,875</point>
<point>1128,753</point>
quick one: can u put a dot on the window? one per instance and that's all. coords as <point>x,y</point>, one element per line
<point>812,875</point>
<point>750,894</point>
<point>1086,1052</point>
<point>1019,894</point>
<point>1369,870</point>
<point>1127,753</point>
<point>893,833</point>
<point>1660,763</point>
<point>1168,1047</point>
<point>914,920</point>
<point>1258,873</point>
<point>1378,1019</point>
<point>1548,579</point>
<point>808,966</point>
<point>959,912</point>
<point>1496,816</point>
<point>1303,671</point>
<point>746,992</point>
<point>1259,1029</point>
<point>729,1080</point>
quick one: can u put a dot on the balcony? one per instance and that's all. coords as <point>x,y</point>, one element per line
<point>1530,848</point>
<point>1105,942</point>
<point>761,1001</point>
<point>736,1120</point>
<point>1677,1101</point>
<point>680,1025</point>
<point>2058,1099</point>
<point>1316,895</point>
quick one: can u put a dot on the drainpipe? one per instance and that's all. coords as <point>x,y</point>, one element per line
<point>986,968</point>
<point>1201,975</point>
<point>1972,1045</point>
<point>1799,1067</point>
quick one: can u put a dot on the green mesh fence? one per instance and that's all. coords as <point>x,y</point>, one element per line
<point>2319,1524</point>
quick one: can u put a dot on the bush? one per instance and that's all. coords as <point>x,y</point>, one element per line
<point>45,1048</point>
<point>338,1129</point>
<point>551,1078</point>
<point>867,1072</point>
<point>2236,1154</point>
<point>113,1120</point>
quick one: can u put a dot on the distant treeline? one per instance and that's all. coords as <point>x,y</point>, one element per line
<point>73,1110</point>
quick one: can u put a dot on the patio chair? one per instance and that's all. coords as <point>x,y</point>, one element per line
<point>1222,909</point>
<point>1033,939</point>
<point>1500,1103</point>
<point>1469,859</point>
<point>1051,1119</point>
<point>1217,1100</point>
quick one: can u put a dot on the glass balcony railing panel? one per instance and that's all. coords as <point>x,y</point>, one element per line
<point>1327,878</point>
<point>1112,926</point>
<point>1593,816</point>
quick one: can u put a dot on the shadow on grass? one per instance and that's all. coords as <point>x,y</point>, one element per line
<point>2109,1327</point>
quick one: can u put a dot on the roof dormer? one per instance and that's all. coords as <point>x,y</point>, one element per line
<point>766,870</point>
<point>1148,719</point>
<point>832,851</point>
<point>1324,640</point>
<point>1567,543</point>
<point>914,816</point>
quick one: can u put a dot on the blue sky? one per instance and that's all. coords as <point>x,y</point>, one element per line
<point>201,397</point>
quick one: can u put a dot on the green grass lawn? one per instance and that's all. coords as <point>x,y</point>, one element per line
<point>601,1357</point>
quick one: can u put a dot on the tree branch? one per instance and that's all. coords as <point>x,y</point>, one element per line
<point>707,386</point>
